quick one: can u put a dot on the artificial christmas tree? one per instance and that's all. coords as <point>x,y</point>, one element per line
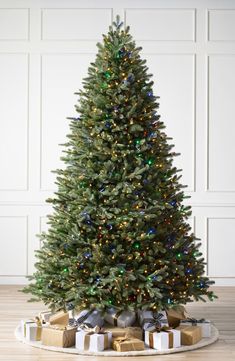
<point>118,235</point>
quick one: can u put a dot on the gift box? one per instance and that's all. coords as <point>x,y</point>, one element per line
<point>93,341</point>
<point>175,315</point>
<point>59,318</point>
<point>163,338</point>
<point>135,332</point>
<point>23,324</point>
<point>33,332</point>
<point>59,336</point>
<point>90,318</point>
<point>58,333</point>
<point>119,318</point>
<point>150,320</point>
<point>204,324</point>
<point>190,334</point>
<point>123,344</point>
<point>44,316</point>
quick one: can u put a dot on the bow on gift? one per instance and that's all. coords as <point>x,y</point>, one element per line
<point>38,321</point>
<point>93,330</point>
<point>122,339</point>
<point>161,329</point>
<point>194,321</point>
<point>80,321</point>
<point>155,322</point>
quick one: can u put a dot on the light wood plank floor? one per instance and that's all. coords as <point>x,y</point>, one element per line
<point>14,306</point>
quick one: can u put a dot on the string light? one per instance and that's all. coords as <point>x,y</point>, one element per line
<point>148,201</point>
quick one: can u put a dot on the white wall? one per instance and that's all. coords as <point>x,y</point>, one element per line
<point>45,49</point>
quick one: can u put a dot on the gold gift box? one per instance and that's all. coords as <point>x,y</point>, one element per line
<point>135,332</point>
<point>58,333</point>
<point>123,344</point>
<point>190,334</point>
<point>59,337</point>
<point>175,315</point>
<point>59,318</point>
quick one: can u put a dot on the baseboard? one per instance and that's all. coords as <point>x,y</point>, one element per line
<point>13,280</point>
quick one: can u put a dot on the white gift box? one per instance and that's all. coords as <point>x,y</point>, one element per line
<point>44,316</point>
<point>92,320</point>
<point>205,326</point>
<point>33,332</point>
<point>23,324</point>
<point>161,341</point>
<point>146,316</point>
<point>119,319</point>
<point>93,342</point>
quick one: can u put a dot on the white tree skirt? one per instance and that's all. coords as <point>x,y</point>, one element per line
<point>147,352</point>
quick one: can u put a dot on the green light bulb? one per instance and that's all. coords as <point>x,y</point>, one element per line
<point>107,74</point>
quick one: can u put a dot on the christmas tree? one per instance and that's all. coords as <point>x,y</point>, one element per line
<point>118,235</point>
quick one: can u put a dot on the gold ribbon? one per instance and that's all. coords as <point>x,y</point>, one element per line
<point>87,339</point>
<point>162,329</point>
<point>38,333</point>
<point>39,328</point>
<point>150,339</point>
<point>87,342</point>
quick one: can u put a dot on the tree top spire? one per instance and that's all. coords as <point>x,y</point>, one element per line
<point>118,23</point>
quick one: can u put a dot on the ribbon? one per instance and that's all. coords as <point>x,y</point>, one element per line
<point>93,330</point>
<point>154,322</point>
<point>39,328</point>
<point>96,330</point>
<point>80,321</point>
<point>115,318</point>
<point>162,329</point>
<point>194,321</point>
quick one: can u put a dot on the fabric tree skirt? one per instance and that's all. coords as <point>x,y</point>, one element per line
<point>147,352</point>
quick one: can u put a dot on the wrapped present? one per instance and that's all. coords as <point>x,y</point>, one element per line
<point>59,336</point>
<point>126,343</point>
<point>190,334</point>
<point>163,338</point>
<point>59,318</point>
<point>119,318</point>
<point>44,316</point>
<point>93,340</point>
<point>58,333</point>
<point>150,320</point>
<point>90,318</point>
<point>204,324</point>
<point>175,315</point>
<point>135,332</point>
<point>23,324</point>
<point>34,330</point>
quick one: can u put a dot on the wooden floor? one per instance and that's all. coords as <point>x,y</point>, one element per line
<point>14,306</point>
